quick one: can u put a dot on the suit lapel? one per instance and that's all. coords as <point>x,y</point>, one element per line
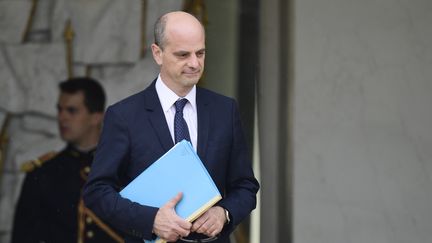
<point>157,117</point>
<point>203,122</point>
<point>158,121</point>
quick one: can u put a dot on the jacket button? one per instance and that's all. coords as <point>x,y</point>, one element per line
<point>89,220</point>
<point>90,234</point>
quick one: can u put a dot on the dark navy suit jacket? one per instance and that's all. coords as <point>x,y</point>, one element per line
<point>135,134</point>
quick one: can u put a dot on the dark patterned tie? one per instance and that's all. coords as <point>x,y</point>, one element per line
<point>180,126</point>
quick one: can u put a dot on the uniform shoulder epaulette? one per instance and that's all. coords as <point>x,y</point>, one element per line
<point>31,165</point>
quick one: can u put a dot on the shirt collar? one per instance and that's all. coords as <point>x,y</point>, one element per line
<point>74,151</point>
<point>167,97</point>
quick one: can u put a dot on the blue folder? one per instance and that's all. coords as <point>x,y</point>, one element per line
<point>178,170</point>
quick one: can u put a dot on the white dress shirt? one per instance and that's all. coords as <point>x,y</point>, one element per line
<point>167,98</point>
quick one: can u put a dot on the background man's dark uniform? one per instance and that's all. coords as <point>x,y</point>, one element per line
<point>48,209</point>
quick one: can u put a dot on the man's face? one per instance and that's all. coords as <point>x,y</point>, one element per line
<point>75,122</point>
<point>182,58</point>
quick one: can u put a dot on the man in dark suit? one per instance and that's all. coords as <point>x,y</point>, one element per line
<point>50,207</point>
<point>139,129</point>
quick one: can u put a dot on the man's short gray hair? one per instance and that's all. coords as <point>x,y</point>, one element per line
<point>159,31</point>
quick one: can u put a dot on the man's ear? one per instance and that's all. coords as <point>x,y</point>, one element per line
<point>97,118</point>
<point>157,53</point>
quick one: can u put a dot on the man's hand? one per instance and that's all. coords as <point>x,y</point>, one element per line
<point>168,225</point>
<point>211,222</point>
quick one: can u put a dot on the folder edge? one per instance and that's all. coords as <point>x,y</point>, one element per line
<point>204,208</point>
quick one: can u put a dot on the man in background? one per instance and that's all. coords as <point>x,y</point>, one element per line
<point>50,208</point>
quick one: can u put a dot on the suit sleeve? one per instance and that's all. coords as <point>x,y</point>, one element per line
<point>27,212</point>
<point>241,185</point>
<point>101,190</point>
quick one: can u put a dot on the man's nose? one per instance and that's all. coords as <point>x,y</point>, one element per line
<point>61,116</point>
<point>193,61</point>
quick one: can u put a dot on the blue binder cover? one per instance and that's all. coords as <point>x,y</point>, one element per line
<point>178,170</point>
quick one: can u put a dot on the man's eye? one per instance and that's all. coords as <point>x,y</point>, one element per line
<point>182,55</point>
<point>72,110</point>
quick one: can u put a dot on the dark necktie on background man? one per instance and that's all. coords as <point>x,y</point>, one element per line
<point>181,130</point>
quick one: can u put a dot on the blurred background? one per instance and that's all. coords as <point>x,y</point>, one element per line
<point>335,95</point>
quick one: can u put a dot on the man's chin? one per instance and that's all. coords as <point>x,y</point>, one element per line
<point>66,138</point>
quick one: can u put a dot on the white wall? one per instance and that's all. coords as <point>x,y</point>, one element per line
<point>221,47</point>
<point>363,121</point>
